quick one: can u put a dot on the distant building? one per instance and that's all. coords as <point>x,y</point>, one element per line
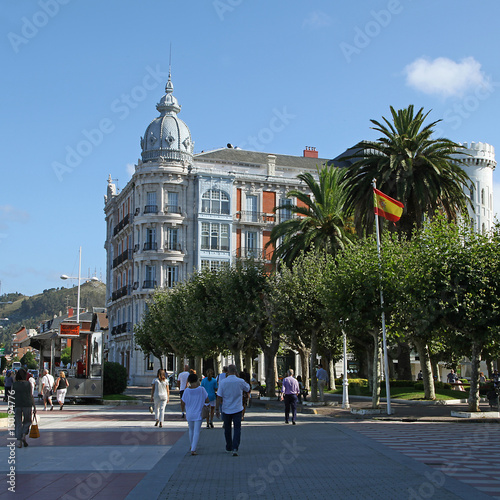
<point>182,212</point>
<point>19,347</point>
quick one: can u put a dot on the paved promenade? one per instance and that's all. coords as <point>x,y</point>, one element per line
<point>115,452</point>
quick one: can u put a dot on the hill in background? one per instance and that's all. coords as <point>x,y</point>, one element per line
<point>31,311</point>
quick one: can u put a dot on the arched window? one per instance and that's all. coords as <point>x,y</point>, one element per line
<point>214,201</point>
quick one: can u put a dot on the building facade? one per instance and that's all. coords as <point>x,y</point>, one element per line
<point>183,212</point>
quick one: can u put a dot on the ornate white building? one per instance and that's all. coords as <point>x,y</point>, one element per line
<point>183,211</point>
<point>479,162</point>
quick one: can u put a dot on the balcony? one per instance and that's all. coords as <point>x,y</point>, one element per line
<point>150,245</point>
<point>173,247</point>
<point>258,217</point>
<point>121,292</point>
<point>122,328</point>
<point>149,284</point>
<point>172,209</point>
<point>254,253</point>
<point>127,254</point>
<point>151,209</point>
<point>123,223</point>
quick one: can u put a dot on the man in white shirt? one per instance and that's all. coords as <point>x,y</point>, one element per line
<point>181,384</point>
<point>47,388</point>
<point>230,393</point>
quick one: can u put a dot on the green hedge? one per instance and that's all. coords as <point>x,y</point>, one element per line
<point>115,378</point>
<point>2,381</point>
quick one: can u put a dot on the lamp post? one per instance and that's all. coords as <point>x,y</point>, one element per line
<point>79,278</point>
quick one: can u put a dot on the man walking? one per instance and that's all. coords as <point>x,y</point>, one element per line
<point>182,380</point>
<point>290,389</point>
<point>322,377</point>
<point>47,389</point>
<point>230,394</point>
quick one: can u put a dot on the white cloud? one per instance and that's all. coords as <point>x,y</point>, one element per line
<point>317,19</point>
<point>130,169</point>
<point>8,213</point>
<point>445,77</point>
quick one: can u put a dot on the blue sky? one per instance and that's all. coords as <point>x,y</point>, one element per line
<point>89,73</point>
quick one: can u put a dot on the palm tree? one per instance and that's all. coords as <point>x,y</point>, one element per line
<point>318,220</point>
<point>410,166</point>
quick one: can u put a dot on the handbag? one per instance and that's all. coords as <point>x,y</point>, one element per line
<point>205,412</point>
<point>34,431</point>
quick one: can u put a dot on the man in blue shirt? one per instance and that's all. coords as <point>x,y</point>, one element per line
<point>322,377</point>
<point>290,389</point>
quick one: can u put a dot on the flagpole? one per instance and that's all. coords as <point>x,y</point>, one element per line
<point>384,336</point>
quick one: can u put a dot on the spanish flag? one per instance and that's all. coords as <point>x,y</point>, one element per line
<point>386,206</point>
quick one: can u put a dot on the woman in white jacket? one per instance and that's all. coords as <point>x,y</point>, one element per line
<point>160,394</point>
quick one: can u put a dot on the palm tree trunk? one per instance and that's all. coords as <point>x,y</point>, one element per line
<point>425,364</point>
<point>474,381</point>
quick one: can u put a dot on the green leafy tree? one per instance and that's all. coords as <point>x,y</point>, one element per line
<point>29,361</point>
<point>318,220</point>
<point>473,297</point>
<point>410,166</point>
<point>352,296</point>
<point>66,356</point>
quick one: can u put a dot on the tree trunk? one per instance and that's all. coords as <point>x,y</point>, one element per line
<point>474,381</point>
<point>404,363</point>
<point>425,365</point>
<point>269,371</point>
<point>314,380</point>
<point>238,358</point>
<point>331,373</point>
<point>197,366</point>
<point>376,370</point>
<point>249,362</point>
<point>304,363</point>
<point>179,364</point>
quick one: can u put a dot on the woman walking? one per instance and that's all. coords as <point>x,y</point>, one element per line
<point>209,383</point>
<point>24,403</point>
<point>194,398</point>
<point>61,386</point>
<point>160,394</point>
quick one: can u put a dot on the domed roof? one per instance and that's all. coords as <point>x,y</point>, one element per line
<point>167,137</point>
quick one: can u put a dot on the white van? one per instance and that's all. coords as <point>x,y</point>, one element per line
<point>16,365</point>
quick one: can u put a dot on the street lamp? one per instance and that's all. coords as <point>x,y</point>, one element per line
<point>79,278</point>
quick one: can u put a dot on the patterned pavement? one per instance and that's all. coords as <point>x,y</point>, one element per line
<point>468,452</point>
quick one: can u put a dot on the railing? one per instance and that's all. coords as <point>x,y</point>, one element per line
<point>261,217</point>
<point>127,254</point>
<point>254,253</point>
<point>121,328</point>
<point>149,284</point>
<point>151,209</point>
<point>172,209</point>
<point>124,222</point>
<point>173,247</point>
<point>121,292</point>
<point>150,245</point>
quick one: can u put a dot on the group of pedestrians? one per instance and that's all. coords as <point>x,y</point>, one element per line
<point>223,395</point>
<point>50,387</point>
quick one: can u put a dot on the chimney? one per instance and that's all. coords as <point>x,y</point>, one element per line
<point>310,152</point>
<point>70,312</point>
<point>271,165</point>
